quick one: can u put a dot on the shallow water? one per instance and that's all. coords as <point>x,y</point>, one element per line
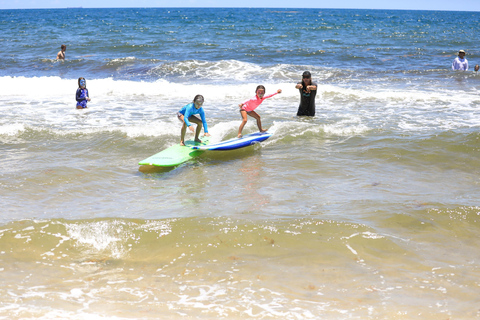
<point>367,211</point>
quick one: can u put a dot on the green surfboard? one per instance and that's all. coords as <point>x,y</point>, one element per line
<point>176,154</point>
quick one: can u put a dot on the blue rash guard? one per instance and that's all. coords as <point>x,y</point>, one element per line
<point>190,110</point>
<point>81,97</point>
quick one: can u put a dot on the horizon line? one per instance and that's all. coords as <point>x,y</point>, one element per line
<point>234,7</point>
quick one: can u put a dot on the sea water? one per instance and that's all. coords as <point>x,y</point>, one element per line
<point>369,210</point>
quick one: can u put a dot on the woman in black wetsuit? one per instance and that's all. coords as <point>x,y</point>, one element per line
<point>308,91</point>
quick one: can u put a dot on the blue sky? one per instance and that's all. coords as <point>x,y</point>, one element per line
<point>464,5</point>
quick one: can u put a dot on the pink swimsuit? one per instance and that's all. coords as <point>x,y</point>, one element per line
<point>253,103</point>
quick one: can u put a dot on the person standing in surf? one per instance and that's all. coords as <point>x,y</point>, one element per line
<point>189,114</point>
<point>82,94</point>
<point>460,62</point>
<point>61,53</point>
<point>308,91</point>
<point>248,107</point>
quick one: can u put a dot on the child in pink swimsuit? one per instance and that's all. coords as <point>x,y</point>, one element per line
<point>248,106</point>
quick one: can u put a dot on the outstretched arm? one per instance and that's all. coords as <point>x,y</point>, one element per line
<point>273,94</point>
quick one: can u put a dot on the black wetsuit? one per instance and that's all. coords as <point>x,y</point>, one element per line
<point>307,101</point>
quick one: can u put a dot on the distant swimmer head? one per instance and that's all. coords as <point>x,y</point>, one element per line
<point>260,91</point>
<point>198,101</point>
<point>82,83</point>
<point>476,67</point>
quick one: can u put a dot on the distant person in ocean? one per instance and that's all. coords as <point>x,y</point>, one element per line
<point>308,91</point>
<point>61,53</point>
<point>248,107</point>
<point>460,62</point>
<point>476,68</point>
<point>82,94</point>
<point>189,114</point>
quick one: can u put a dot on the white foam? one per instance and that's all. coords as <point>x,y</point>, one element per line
<point>11,129</point>
<point>99,236</point>
<point>227,71</point>
<point>54,88</point>
<point>224,129</point>
<point>348,127</point>
<point>157,129</point>
<point>111,237</point>
<point>149,108</point>
<point>123,59</point>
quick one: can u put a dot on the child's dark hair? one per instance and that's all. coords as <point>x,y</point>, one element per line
<point>260,87</point>
<point>79,81</point>
<point>198,97</point>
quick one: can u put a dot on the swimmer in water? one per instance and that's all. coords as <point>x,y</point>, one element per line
<point>61,53</point>
<point>460,63</point>
<point>308,91</point>
<point>82,94</point>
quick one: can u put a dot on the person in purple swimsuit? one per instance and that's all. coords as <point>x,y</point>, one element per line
<point>82,94</point>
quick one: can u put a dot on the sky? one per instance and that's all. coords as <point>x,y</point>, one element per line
<point>448,5</point>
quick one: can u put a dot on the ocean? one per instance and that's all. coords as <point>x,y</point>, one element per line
<point>369,210</point>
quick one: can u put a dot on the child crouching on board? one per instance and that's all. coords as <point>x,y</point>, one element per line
<point>248,106</point>
<point>82,93</point>
<point>189,114</point>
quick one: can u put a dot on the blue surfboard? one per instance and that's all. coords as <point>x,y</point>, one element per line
<point>236,143</point>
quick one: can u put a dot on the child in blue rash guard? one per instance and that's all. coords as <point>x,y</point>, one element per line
<point>82,94</point>
<point>188,114</point>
